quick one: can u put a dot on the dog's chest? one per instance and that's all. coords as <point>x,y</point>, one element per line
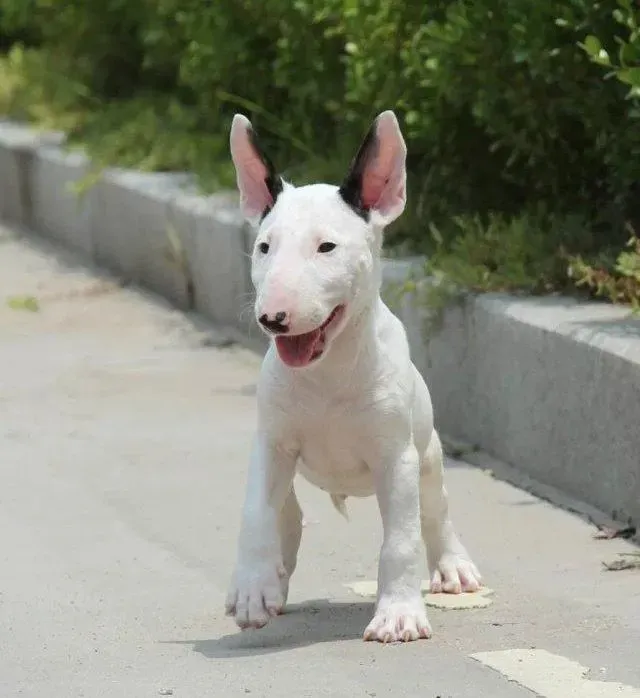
<point>332,455</point>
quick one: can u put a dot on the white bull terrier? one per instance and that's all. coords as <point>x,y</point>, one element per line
<point>339,399</point>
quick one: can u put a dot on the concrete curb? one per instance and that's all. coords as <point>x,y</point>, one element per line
<point>550,385</point>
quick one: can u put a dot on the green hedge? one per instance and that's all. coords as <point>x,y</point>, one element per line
<point>519,115</point>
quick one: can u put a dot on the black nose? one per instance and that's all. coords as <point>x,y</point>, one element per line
<point>277,324</point>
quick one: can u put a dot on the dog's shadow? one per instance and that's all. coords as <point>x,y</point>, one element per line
<point>310,623</point>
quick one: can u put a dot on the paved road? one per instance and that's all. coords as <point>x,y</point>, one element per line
<point>124,436</point>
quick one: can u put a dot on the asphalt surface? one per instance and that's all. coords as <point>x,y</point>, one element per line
<point>125,429</point>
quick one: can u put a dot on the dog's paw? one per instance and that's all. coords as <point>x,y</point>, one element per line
<point>400,621</point>
<point>454,574</point>
<point>257,594</point>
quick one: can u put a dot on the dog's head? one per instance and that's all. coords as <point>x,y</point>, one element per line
<point>316,258</point>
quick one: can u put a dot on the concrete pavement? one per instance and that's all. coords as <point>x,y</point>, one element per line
<point>125,429</point>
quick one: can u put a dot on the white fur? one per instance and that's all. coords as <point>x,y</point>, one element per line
<point>356,422</point>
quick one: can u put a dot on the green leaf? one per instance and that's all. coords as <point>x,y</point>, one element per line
<point>628,54</point>
<point>593,48</point>
<point>411,118</point>
<point>29,303</point>
<point>435,234</point>
<point>592,45</point>
<point>629,76</point>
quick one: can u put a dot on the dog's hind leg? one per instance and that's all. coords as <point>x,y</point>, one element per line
<point>450,566</point>
<point>290,526</point>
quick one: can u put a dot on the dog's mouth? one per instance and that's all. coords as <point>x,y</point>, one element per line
<point>303,349</point>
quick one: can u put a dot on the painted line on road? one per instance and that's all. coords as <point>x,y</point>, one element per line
<point>551,675</point>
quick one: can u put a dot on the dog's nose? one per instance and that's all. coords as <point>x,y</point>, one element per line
<point>278,323</point>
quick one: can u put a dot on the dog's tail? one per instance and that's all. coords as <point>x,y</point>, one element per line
<point>338,501</point>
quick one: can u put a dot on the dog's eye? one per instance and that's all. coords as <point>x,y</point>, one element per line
<point>327,247</point>
<point>263,247</point>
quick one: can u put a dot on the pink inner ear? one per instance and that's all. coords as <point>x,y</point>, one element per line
<point>255,196</point>
<point>251,172</point>
<point>384,176</point>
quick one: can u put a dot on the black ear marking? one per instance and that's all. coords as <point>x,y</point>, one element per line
<point>351,187</point>
<point>273,181</point>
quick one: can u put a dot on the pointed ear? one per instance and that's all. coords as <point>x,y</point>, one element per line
<point>376,181</point>
<point>258,182</point>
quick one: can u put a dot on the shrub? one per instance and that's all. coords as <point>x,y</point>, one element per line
<point>620,284</point>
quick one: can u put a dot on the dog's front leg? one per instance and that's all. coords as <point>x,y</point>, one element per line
<point>452,570</point>
<point>259,583</point>
<point>400,611</point>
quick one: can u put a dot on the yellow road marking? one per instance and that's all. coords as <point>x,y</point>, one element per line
<point>552,676</point>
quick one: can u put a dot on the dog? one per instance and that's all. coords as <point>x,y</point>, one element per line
<point>339,399</point>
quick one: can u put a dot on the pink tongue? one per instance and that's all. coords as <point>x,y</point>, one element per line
<point>298,350</point>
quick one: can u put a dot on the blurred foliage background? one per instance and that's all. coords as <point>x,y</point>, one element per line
<point>521,118</point>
